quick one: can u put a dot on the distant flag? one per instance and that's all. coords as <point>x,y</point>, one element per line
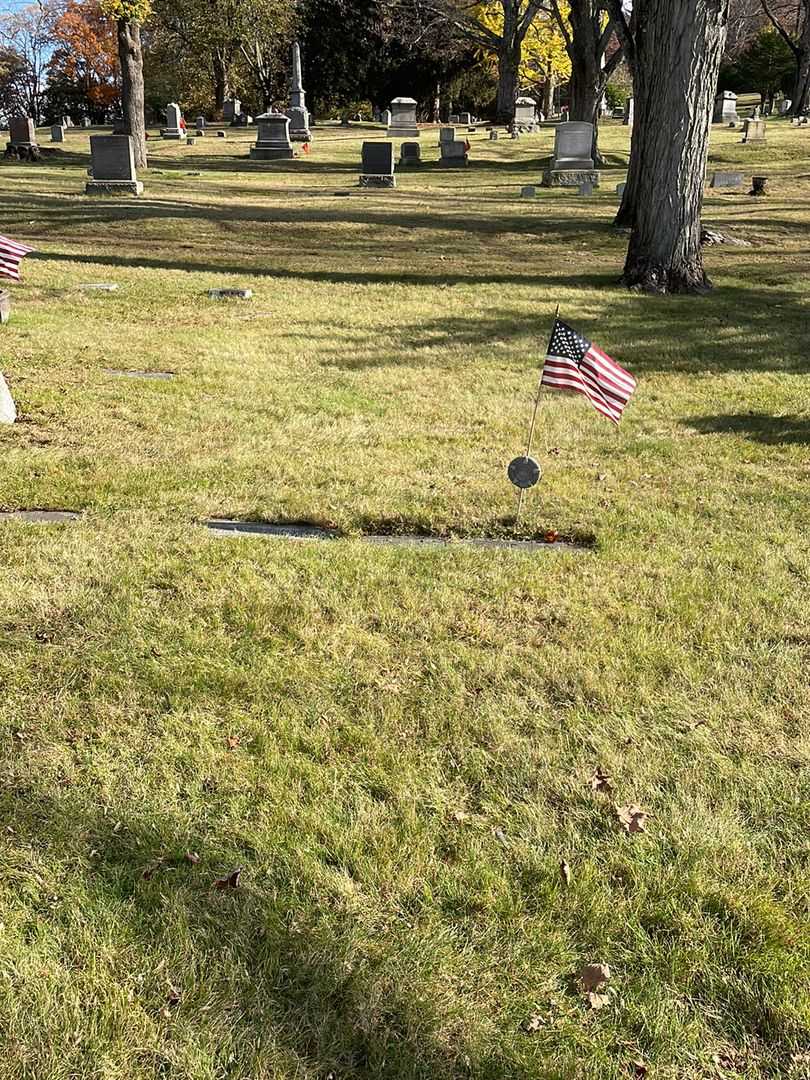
<point>11,255</point>
<point>578,365</point>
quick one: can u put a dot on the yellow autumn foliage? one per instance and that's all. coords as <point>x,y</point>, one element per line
<point>544,51</point>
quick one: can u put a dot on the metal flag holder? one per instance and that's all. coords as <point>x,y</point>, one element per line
<point>524,472</point>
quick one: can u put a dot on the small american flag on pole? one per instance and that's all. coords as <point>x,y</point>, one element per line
<point>578,365</point>
<point>11,255</point>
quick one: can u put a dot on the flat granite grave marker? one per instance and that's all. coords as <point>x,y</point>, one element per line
<point>40,517</point>
<point>230,294</point>
<point>726,180</point>
<point>8,410</point>
<point>571,163</point>
<point>273,140</point>
<point>528,192</point>
<point>113,166</point>
<point>282,530</point>
<point>378,165</point>
<point>403,119</point>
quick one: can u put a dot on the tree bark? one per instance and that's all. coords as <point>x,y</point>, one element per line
<point>221,87</point>
<point>678,48</point>
<point>588,81</point>
<point>509,56</point>
<point>132,95</point>
<point>800,103</point>
<point>548,95</point>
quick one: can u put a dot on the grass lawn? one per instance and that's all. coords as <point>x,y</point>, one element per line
<point>397,745</point>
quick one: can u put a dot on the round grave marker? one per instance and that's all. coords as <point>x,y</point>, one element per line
<point>524,472</point>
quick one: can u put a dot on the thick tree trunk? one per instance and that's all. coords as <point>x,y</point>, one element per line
<point>509,56</point>
<point>132,97</point>
<point>508,76</point>
<point>679,46</point>
<point>801,87</point>
<point>221,87</point>
<point>588,78</point>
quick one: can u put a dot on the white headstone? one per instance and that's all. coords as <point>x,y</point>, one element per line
<point>8,410</point>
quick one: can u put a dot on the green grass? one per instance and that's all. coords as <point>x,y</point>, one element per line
<point>416,728</point>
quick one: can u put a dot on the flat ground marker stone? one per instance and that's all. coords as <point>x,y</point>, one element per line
<point>291,531</point>
<point>39,517</point>
<point>230,294</point>
<point>139,374</point>
<point>100,286</point>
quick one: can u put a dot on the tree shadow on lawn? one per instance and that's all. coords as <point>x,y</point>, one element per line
<point>287,960</point>
<point>103,211</point>
<point>295,970</point>
<point>759,427</point>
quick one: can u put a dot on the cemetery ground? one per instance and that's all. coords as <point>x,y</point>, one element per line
<point>399,746</point>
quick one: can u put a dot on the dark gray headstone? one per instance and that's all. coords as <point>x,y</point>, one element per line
<point>378,159</point>
<point>113,165</point>
<point>273,139</point>
<point>22,131</point>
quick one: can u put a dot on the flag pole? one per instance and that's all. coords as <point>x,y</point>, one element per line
<point>532,424</point>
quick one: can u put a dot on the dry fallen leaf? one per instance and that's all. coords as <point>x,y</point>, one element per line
<point>173,996</point>
<point>639,1068</point>
<point>230,881</point>
<point>534,1023</point>
<point>600,781</point>
<point>152,869</point>
<point>594,976</point>
<point>551,536</point>
<point>192,857</point>
<point>565,872</point>
<point>633,818</point>
<point>232,742</point>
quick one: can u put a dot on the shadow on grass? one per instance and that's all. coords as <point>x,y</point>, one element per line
<point>759,427</point>
<point>304,987</point>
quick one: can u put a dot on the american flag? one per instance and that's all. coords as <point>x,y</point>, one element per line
<point>575,364</point>
<point>11,255</point>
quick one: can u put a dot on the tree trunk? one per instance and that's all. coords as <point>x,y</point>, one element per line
<point>801,88</point>
<point>221,87</point>
<point>509,56</point>
<point>588,78</point>
<point>679,46</point>
<point>132,98</point>
<point>548,96</point>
